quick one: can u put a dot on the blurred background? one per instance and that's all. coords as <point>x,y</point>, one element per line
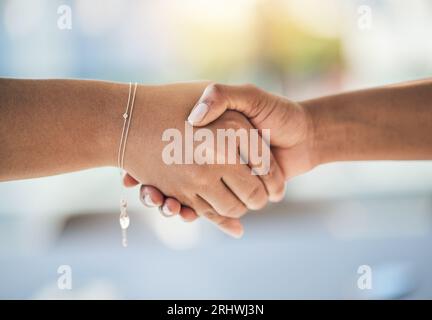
<point>333,220</point>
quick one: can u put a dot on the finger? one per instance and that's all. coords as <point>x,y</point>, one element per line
<point>253,150</point>
<point>188,214</point>
<point>129,181</point>
<point>170,208</point>
<point>217,98</point>
<point>256,153</point>
<point>248,188</point>
<point>263,165</point>
<point>238,177</point>
<point>151,196</point>
<point>225,203</point>
<point>274,181</point>
<point>230,226</point>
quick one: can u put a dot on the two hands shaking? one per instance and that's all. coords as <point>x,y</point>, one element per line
<point>385,123</point>
<point>49,127</point>
<point>225,192</point>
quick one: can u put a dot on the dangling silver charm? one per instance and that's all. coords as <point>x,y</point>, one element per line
<point>124,221</point>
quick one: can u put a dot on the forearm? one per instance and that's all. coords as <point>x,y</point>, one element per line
<point>387,123</point>
<point>55,126</point>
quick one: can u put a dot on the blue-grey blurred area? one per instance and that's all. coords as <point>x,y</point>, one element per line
<point>333,220</point>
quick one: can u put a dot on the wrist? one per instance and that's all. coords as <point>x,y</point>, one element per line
<point>326,133</point>
<point>114,97</point>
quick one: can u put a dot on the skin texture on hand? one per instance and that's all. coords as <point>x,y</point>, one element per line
<point>220,192</point>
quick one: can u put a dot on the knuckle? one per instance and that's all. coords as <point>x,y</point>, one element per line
<point>251,87</point>
<point>256,98</point>
<point>209,214</point>
<point>224,223</point>
<point>236,211</point>
<point>254,193</point>
<point>215,90</point>
<point>257,198</point>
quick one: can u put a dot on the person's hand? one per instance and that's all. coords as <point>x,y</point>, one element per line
<point>220,192</point>
<point>289,123</point>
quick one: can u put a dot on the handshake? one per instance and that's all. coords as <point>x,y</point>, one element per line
<point>202,149</point>
<point>261,141</point>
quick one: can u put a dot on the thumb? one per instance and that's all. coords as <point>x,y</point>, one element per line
<point>217,98</point>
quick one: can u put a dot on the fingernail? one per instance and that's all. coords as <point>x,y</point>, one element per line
<point>148,201</point>
<point>198,113</point>
<point>166,211</point>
